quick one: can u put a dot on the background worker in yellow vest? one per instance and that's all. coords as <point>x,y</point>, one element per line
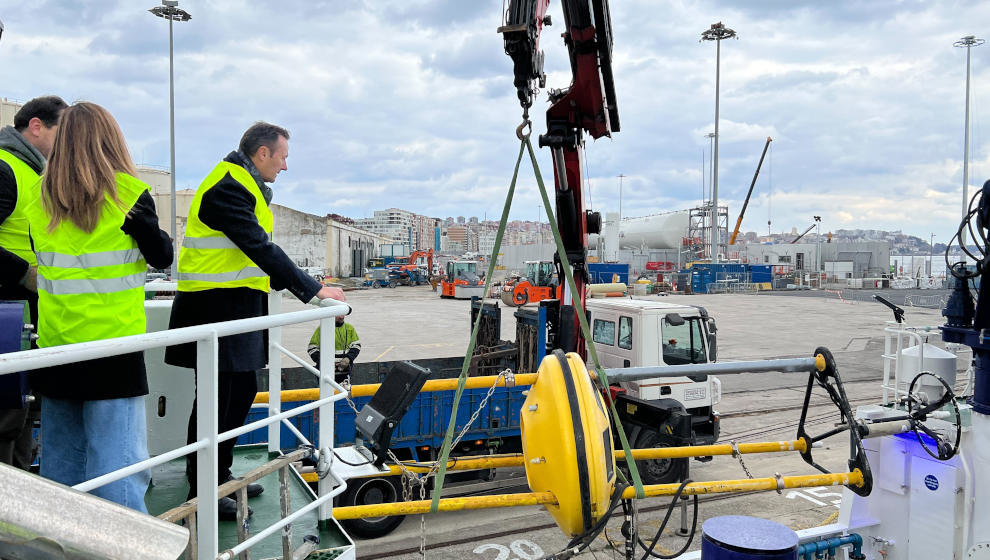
<point>24,148</point>
<point>227,265</point>
<point>94,231</point>
<point>346,346</point>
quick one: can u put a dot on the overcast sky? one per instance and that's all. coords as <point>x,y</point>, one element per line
<point>410,103</point>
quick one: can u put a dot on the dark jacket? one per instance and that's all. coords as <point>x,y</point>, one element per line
<point>229,208</point>
<point>114,377</point>
<point>12,267</point>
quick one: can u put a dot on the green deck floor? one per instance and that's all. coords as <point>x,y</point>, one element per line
<point>169,489</point>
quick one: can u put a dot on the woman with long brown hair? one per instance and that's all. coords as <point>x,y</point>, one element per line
<point>94,231</point>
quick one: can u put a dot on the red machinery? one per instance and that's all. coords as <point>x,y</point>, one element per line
<point>461,281</point>
<point>412,261</point>
<point>538,283</point>
<point>409,268</point>
<point>587,105</point>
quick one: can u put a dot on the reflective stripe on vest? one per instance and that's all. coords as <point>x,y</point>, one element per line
<point>90,284</point>
<point>208,258</point>
<point>105,258</point>
<point>14,230</point>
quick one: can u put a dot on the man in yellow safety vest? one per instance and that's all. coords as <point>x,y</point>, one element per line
<point>227,266</point>
<point>24,149</point>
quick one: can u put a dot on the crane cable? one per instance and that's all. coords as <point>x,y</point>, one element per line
<point>523,134</point>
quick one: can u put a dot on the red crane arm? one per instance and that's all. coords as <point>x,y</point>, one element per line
<point>587,106</point>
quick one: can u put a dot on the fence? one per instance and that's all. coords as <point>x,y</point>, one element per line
<point>206,339</point>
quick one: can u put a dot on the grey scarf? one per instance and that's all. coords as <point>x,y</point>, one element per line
<point>13,142</point>
<point>266,191</point>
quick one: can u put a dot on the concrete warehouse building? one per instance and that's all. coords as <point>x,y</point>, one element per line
<point>314,242</point>
<point>8,109</point>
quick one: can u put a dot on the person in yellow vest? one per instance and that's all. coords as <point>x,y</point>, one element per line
<point>227,265</point>
<point>346,346</point>
<point>23,150</point>
<point>94,231</point>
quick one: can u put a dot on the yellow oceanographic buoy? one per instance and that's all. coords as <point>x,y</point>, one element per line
<point>567,443</point>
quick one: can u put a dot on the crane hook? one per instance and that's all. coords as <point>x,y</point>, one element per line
<point>526,122</point>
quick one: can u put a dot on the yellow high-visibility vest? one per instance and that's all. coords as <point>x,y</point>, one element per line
<point>90,285</point>
<point>208,258</point>
<point>14,230</point>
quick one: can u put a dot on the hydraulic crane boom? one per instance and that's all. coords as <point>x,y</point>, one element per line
<point>735,232</point>
<point>798,238</point>
<point>587,105</point>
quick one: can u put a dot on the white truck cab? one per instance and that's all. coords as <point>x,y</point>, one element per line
<point>632,333</point>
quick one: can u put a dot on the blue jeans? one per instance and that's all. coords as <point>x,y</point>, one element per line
<point>81,440</point>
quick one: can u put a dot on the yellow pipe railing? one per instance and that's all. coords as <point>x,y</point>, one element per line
<point>516,460</point>
<point>446,504</point>
<point>480,382</point>
<point>854,478</point>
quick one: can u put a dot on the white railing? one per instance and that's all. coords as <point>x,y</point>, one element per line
<point>897,338</point>
<point>206,339</point>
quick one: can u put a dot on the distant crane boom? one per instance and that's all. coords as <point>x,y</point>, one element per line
<point>798,238</point>
<point>735,232</point>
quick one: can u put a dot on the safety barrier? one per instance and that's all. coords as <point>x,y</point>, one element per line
<point>931,302</point>
<point>204,532</point>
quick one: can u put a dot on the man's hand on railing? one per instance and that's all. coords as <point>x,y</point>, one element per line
<point>331,292</point>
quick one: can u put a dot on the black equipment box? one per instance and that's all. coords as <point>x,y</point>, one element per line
<point>377,419</point>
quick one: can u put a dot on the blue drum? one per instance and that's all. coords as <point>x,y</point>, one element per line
<point>738,537</point>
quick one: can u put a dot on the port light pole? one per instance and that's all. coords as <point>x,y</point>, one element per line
<point>716,33</point>
<point>931,256</point>
<point>968,42</point>
<point>621,177</point>
<point>171,11</point>
<point>821,261</point>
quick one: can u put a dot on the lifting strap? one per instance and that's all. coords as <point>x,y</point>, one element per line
<point>445,449</point>
<point>525,144</point>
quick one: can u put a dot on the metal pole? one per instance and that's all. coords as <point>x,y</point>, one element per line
<point>717,368</point>
<point>715,233</point>
<point>969,42</point>
<point>171,118</point>
<point>931,256</point>
<point>207,461</point>
<point>716,33</point>
<point>821,261</point>
<point>621,176</point>
<point>274,373</point>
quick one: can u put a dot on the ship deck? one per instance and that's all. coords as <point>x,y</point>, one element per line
<point>169,489</point>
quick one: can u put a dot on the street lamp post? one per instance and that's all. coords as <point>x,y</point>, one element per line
<point>716,33</point>
<point>818,234</point>
<point>931,256</point>
<point>621,177</point>
<point>968,42</point>
<point>171,11</point>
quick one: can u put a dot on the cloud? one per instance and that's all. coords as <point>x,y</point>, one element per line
<point>410,103</point>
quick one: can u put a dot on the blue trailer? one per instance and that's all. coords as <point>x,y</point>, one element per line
<point>602,273</point>
<point>421,431</point>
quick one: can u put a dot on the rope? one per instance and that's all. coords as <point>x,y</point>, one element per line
<point>462,379</point>
<point>585,329</point>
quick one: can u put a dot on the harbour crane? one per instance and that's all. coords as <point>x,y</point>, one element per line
<point>805,232</point>
<point>735,232</point>
<point>587,106</point>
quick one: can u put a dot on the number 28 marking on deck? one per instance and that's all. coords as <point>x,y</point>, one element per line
<point>523,550</point>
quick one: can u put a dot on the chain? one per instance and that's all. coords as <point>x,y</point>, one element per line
<point>738,455</point>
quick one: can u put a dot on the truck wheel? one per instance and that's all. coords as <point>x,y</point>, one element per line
<point>375,284</point>
<point>367,491</point>
<point>392,283</point>
<point>658,471</point>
